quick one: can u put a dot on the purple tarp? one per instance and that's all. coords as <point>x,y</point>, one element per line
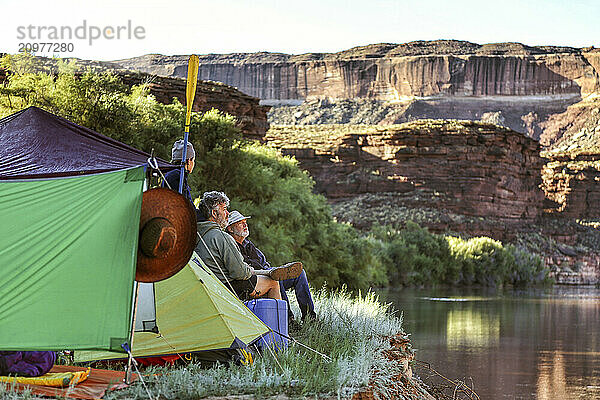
<point>37,144</point>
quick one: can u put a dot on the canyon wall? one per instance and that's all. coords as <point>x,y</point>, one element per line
<point>528,89</point>
<point>416,76</point>
<point>470,168</point>
<point>458,176</point>
<point>393,72</point>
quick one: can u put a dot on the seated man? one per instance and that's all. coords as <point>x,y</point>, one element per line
<point>220,253</point>
<point>238,229</point>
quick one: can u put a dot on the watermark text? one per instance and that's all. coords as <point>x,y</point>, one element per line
<point>85,31</point>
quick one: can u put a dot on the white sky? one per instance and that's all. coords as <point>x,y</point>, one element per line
<point>294,27</point>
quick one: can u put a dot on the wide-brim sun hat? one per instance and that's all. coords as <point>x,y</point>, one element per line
<point>236,216</point>
<point>167,235</point>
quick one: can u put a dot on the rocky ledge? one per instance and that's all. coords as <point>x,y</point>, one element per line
<point>477,169</point>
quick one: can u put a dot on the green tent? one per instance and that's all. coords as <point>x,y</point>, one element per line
<point>68,255</point>
<point>195,312</point>
<point>70,203</point>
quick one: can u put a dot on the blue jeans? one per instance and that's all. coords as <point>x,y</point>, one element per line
<point>300,285</point>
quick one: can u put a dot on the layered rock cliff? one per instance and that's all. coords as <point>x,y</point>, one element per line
<point>572,182</point>
<point>469,168</point>
<point>528,89</point>
<point>390,71</point>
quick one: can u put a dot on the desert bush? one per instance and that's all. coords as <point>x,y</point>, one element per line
<point>415,256</point>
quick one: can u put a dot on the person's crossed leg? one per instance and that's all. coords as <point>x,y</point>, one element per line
<point>302,291</point>
<point>266,287</point>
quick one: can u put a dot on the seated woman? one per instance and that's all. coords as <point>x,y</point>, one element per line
<point>26,363</point>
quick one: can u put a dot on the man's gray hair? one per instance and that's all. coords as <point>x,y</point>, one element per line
<point>210,201</point>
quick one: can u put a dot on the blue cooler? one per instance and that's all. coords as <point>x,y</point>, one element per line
<point>274,314</point>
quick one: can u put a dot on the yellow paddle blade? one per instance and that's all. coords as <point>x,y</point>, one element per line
<point>190,92</point>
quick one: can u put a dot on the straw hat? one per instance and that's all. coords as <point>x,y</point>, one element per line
<point>167,235</point>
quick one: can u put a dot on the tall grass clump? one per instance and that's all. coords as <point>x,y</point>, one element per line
<point>352,330</point>
<point>8,392</point>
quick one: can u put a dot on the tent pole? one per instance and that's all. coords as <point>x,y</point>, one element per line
<point>126,347</point>
<point>325,357</point>
<point>130,360</point>
<point>128,370</point>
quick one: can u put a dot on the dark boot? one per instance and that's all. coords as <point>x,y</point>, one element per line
<point>288,271</point>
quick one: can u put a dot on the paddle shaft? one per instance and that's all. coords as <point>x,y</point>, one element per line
<point>190,94</point>
<point>183,159</point>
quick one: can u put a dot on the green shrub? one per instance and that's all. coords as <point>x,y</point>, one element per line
<point>415,256</point>
<point>288,221</point>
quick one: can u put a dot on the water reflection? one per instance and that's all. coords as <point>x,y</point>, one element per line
<point>552,377</point>
<point>471,328</point>
<point>533,344</point>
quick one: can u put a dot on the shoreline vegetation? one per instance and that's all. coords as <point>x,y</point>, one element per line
<point>353,331</point>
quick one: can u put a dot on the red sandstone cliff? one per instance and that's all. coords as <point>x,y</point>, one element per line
<point>478,169</point>
<point>572,182</point>
<point>463,167</point>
